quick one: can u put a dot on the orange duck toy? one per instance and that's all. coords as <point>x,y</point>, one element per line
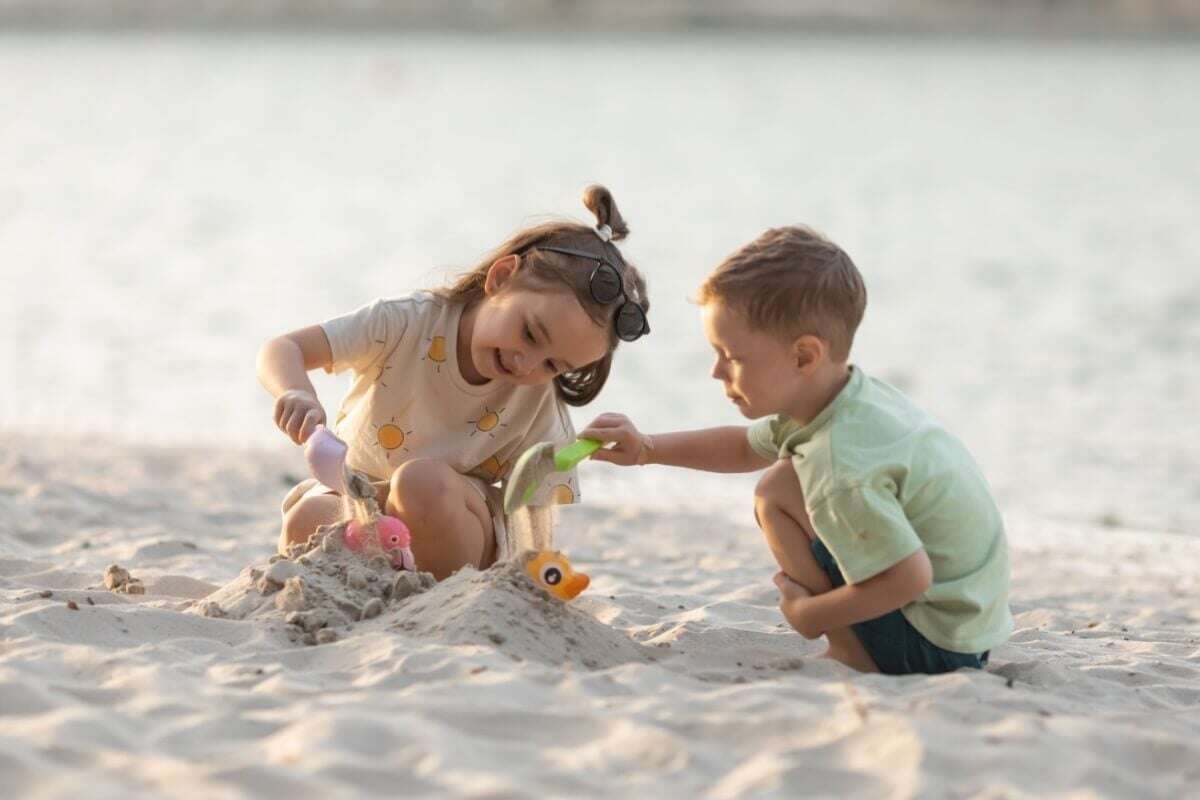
<point>552,571</point>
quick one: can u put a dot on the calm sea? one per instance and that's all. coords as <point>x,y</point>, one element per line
<point>1026,214</point>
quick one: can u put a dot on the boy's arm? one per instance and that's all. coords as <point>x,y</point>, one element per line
<point>895,587</point>
<point>283,365</point>
<point>724,449</point>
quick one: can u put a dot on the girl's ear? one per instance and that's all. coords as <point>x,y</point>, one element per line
<point>808,352</point>
<point>500,273</point>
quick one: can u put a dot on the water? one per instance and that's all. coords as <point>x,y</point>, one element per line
<point>1024,213</point>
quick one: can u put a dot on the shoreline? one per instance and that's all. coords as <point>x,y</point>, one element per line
<point>1074,17</point>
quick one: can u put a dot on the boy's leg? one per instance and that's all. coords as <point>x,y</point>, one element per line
<point>779,510</point>
<point>450,521</point>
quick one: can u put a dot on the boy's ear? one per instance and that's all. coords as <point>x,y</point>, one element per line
<point>809,352</point>
<point>500,273</point>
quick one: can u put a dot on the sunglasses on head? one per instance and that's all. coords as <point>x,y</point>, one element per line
<point>606,287</point>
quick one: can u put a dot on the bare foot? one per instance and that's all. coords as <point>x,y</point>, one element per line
<point>855,659</point>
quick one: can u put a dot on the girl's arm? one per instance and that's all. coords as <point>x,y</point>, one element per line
<point>283,365</point>
<point>724,449</point>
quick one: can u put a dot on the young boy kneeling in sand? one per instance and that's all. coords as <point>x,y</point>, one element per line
<point>887,536</point>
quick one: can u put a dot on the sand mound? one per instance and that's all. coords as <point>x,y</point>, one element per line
<point>323,591</point>
<point>316,590</point>
<point>503,609</point>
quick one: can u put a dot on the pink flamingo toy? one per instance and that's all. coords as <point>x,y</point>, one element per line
<point>369,529</point>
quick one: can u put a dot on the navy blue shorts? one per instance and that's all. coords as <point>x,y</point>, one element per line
<point>893,643</point>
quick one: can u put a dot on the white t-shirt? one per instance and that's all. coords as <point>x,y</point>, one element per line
<point>409,400</point>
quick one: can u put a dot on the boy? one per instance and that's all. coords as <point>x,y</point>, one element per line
<point>885,532</point>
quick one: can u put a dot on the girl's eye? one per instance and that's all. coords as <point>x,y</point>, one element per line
<point>550,368</point>
<point>529,334</point>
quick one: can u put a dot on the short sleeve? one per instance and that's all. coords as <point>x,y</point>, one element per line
<point>761,435</point>
<point>552,424</point>
<point>865,529</point>
<point>367,336</point>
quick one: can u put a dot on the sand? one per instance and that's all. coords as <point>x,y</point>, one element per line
<point>671,676</point>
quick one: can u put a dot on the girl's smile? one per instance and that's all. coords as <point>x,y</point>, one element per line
<point>527,337</point>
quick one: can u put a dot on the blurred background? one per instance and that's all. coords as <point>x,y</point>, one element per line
<point>1018,182</point>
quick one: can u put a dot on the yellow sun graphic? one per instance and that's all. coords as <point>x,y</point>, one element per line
<point>391,436</point>
<point>488,422</point>
<point>436,352</point>
<point>384,366</point>
<point>494,468</point>
<point>562,495</point>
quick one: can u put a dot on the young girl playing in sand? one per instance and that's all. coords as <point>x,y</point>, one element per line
<point>451,385</point>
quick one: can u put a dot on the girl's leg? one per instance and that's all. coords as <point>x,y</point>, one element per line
<point>779,510</point>
<point>304,516</point>
<point>450,521</point>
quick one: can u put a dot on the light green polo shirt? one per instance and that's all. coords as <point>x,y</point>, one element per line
<point>881,479</point>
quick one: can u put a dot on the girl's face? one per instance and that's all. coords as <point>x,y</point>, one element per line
<point>525,336</point>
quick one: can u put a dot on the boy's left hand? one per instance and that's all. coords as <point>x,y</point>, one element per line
<point>793,602</point>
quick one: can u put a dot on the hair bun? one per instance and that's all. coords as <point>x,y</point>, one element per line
<point>599,201</point>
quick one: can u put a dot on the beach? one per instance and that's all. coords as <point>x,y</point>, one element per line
<point>1022,211</point>
<point>684,683</point>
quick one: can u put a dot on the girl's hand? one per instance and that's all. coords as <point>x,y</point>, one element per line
<point>631,447</point>
<point>298,413</point>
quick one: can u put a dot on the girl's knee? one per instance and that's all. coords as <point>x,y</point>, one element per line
<point>421,483</point>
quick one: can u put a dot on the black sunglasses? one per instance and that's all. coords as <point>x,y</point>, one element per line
<point>606,287</point>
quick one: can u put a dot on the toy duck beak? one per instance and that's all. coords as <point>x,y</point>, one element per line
<point>575,584</point>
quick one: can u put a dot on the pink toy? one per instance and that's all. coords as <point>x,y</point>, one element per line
<point>326,455</point>
<point>393,537</point>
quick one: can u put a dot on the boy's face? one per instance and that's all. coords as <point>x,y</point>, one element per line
<point>759,370</point>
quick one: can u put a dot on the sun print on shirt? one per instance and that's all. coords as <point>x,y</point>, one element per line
<point>487,422</point>
<point>562,494</point>
<point>384,364</point>
<point>436,352</point>
<point>391,437</point>
<point>494,468</point>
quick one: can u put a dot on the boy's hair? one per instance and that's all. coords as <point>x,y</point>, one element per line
<point>793,281</point>
<point>544,270</point>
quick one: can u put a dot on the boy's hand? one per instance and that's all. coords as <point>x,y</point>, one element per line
<point>298,413</point>
<point>793,602</point>
<point>631,447</point>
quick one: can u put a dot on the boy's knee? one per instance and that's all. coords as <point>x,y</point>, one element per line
<point>777,483</point>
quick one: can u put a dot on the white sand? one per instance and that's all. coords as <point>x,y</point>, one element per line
<point>671,676</point>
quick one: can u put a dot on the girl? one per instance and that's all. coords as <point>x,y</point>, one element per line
<point>451,385</point>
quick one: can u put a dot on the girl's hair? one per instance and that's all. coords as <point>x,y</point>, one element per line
<point>544,270</point>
